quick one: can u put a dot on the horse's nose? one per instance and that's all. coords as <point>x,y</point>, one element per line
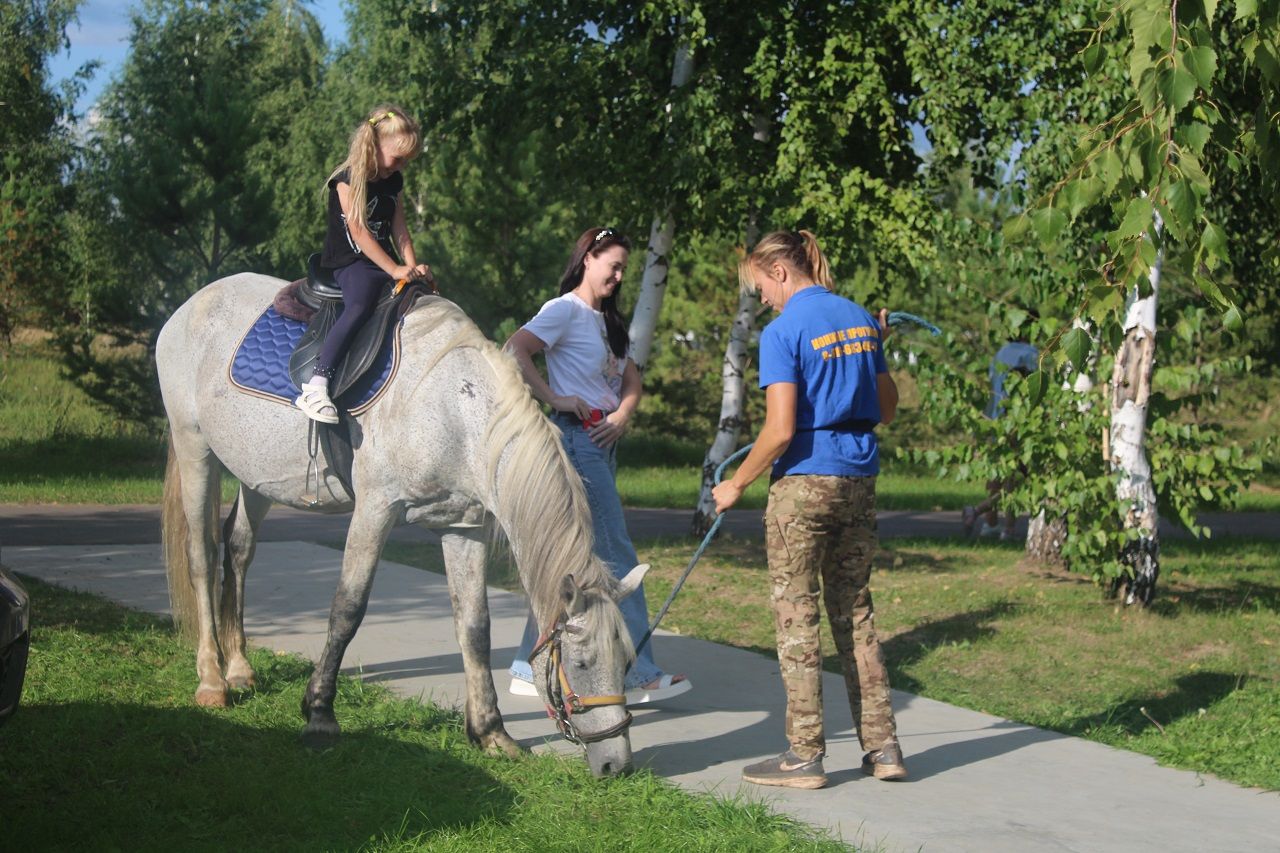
<point>615,768</point>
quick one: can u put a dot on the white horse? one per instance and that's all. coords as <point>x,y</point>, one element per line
<point>456,444</point>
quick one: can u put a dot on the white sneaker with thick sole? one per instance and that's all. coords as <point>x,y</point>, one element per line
<point>667,688</point>
<point>315,403</point>
<point>520,687</point>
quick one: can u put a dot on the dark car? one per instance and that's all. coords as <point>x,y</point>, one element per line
<point>15,641</point>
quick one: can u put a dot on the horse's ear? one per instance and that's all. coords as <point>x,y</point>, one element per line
<point>631,582</point>
<point>571,594</point>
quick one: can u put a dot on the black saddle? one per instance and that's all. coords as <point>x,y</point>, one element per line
<point>319,292</point>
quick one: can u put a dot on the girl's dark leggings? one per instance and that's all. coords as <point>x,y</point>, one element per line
<point>361,283</point>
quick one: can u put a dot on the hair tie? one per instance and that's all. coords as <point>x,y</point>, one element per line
<point>373,122</point>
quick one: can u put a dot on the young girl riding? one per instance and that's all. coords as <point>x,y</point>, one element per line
<point>366,230</point>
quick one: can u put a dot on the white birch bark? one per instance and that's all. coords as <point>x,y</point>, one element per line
<point>653,289</point>
<point>1130,394</point>
<point>732,399</point>
<point>733,377</point>
<point>653,284</point>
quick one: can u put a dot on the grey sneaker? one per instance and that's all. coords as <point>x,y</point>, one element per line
<point>788,771</point>
<point>885,763</point>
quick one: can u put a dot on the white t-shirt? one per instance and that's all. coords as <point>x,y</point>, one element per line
<point>579,361</point>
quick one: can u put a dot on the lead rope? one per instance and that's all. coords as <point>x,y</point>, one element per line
<point>896,318</point>
<point>706,540</point>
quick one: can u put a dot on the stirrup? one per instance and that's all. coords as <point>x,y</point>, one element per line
<point>314,401</point>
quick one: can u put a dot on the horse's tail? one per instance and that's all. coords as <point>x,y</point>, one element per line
<point>175,534</point>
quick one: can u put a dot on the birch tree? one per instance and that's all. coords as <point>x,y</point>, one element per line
<point>1130,397</point>
<point>653,283</point>
<point>1155,165</point>
<point>732,401</point>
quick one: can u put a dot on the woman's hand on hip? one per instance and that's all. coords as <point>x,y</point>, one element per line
<point>607,432</point>
<point>571,404</point>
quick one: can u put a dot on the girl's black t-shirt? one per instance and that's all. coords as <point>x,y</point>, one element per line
<point>339,249</point>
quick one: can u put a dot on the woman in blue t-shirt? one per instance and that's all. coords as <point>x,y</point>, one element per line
<point>826,387</point>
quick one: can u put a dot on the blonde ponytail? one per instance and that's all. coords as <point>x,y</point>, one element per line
<point>797,249</point>
<point>818,267</point>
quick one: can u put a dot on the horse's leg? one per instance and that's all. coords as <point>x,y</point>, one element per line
<point>365,538</point>
<point>464,559</point>
<point>240,537</point>
<point>201,479</point>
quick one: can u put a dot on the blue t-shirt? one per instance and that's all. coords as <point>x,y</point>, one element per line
<point>830,348</point>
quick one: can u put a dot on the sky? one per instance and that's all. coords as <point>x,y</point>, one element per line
<point>102,33</point>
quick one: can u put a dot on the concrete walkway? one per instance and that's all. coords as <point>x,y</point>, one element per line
<point>979,783</point>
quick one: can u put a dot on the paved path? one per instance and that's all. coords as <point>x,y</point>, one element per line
<point>136,524</point>
<point>979,783</point>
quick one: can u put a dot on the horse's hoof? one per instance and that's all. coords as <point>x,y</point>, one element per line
<point>211,697</point>
<point>320,734</point>
<point>242,682</point>
<point>240,676</point>
<point>503,745</point>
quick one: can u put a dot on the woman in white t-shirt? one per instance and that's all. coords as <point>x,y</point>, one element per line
<point>593,388</point>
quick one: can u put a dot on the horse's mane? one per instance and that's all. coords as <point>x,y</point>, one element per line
<point>536,491</point>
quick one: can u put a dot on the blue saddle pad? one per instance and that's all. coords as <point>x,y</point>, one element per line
<point>260,365</point>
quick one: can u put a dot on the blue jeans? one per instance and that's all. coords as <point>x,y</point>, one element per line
<point>598,468</point>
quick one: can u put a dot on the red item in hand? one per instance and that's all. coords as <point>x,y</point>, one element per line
<point>593,418</point>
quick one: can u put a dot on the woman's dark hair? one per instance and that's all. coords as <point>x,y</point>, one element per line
<point>594,241</point>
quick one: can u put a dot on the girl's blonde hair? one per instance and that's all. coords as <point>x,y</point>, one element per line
<point>798,249</point>
<point>386,121</point>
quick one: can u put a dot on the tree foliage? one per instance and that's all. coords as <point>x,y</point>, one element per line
<point>35,150</point>
<point>185,174</point>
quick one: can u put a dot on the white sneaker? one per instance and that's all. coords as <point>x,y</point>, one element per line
<point>520,687</point>
<point>667,688</point>
<point>315,402</point>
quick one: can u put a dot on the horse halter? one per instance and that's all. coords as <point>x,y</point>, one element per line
<point>564,702</point>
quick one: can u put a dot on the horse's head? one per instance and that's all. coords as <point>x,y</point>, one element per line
<point>579,665</point>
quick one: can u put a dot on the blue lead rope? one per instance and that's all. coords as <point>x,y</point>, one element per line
<point>896,318</point>
<point>706,540</point>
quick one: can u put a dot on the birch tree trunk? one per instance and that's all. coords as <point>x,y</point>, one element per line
<point>653,284</point>
<point>1130,394</point>
<point>733,376</point>
<point>732,400</point>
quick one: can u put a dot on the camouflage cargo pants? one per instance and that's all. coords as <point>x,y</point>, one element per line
<point>824,528</point>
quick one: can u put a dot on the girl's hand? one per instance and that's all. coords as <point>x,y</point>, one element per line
<point>423,271</point>
<point>608,431</point>
<point>404,272</point>
<point>571,405</point>
<point>725,495</point>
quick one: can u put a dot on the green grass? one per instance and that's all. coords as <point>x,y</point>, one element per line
<point>665,486</point>
<point>108,752</point>
<point>1193,682</point>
